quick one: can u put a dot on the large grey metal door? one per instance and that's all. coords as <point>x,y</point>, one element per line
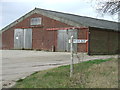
<point>27,38</point>
<point>23,39</point>
<point>63,40</point>
<point>18,39</point>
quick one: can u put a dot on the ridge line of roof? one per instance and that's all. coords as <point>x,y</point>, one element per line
<point>83,20</point>
<point>67,19</point>
<point>76,15</point>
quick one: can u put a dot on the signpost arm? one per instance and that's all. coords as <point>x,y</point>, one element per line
<point>71,66</point>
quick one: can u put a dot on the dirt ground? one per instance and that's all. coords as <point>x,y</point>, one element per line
<point>17,64</point>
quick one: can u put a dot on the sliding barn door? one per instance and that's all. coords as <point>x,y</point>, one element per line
<point>23,39</point>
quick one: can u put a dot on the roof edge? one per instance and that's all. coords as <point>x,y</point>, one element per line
<point>18,20</point>
<point>45,13</point>
<point>75,15</point>
<point>42,12</point>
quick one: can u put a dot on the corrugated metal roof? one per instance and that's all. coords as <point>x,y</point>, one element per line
<point>86,21</point>
<point>70,19</point>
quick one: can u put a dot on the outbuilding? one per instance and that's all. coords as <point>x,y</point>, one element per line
<point>42,29</point>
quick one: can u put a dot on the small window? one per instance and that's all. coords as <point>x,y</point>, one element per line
<point>35,21</point>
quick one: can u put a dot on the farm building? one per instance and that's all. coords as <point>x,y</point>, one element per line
<point>50,30</point>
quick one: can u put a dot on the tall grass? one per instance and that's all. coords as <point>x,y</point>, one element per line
<point>89,74</point>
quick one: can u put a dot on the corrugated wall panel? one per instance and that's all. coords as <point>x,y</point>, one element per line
<point>27,38</point>
<point>18,39</point>
<point>23,39</point>
<point>63,40</point>
<point>103,41</point>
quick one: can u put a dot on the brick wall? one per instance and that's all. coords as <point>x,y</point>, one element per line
<point>42,39</point>
<point>8,39</point>
<point>83,34</point>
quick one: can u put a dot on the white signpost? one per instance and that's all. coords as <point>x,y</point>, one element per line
<point>78,41</point>
<point>71,41</point>
<point>71,66</point>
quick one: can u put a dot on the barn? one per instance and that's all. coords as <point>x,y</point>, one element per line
<point>42,29</point>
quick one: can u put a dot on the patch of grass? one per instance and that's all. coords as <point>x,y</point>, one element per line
<point>98,61</point>
<point>93,74</point>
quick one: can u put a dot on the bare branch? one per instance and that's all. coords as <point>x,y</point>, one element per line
<point>112,7</point>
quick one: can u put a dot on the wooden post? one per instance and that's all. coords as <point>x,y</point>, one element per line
<point>71,65</point>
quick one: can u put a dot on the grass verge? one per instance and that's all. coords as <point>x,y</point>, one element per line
<point>89,74</point>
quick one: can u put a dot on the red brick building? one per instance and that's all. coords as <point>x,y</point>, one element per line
<point>50,30</point>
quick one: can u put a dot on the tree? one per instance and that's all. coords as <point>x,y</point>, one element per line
<point>111,7</point>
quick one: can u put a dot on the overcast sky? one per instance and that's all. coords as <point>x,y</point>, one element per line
<point>13,9</point>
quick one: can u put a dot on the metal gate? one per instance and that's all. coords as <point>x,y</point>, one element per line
<point>22,38</point>
<point>63,40</point>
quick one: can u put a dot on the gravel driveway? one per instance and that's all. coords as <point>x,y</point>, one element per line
<point>17,64</point>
